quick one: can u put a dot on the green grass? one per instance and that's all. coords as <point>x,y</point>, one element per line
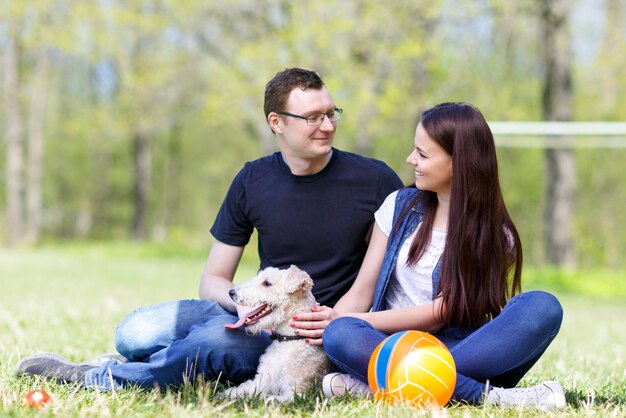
<point>68,299</point>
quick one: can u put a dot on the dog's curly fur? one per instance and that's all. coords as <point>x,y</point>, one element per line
<point>288,367</point>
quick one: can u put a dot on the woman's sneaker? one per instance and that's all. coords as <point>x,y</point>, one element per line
<point>546,396</point>
<point>338,384</point>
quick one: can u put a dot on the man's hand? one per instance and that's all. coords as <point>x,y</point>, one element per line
<point>311,325</point>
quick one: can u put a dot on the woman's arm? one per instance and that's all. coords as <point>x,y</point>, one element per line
<point>361,294</point>
<point>358,299</point>
<point>423,318</point>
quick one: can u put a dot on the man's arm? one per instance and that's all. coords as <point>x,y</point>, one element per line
<point>219,271</point>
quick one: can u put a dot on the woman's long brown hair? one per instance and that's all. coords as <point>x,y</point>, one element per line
<point>481,264</point>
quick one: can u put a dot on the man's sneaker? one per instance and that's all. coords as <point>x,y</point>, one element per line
<point>337,384</point>
<point>53,366</point>
<point>545,396</point>
<point>104,358</point>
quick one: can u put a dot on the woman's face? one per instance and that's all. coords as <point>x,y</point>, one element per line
<point>432,164</point>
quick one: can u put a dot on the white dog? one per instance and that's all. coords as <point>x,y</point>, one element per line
<point>289,366</point>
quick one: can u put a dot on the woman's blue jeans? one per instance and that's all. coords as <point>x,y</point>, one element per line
<point>498,353</point>
<point>174,342</point>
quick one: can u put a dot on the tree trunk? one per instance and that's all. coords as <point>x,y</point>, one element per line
<point>364,144</point>
<point>169,209</point>
<point>34,168</point>
<point>141,154</point>
<point>15,145</point>
<point>557,106</point>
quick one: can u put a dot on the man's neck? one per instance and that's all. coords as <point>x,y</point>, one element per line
<point>303,167</point>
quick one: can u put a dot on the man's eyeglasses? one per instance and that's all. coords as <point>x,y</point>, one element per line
<point>317,119</point>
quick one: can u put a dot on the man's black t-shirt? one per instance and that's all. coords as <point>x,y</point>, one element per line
<point>319,223</point>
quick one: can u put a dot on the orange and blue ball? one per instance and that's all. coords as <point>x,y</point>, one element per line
<point>412,367</point>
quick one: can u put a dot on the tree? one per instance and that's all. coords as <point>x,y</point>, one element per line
<point>156,75</point>
<point>560,166</point>
<point>30,30</point>
<point>14,140</point>
<point>34,157</point>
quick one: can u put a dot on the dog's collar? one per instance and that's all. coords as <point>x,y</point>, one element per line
<point>282,338</point>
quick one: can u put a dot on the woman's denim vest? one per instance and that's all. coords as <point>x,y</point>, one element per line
<point>399,234</point>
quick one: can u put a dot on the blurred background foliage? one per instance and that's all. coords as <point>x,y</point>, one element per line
<point>146,109</point>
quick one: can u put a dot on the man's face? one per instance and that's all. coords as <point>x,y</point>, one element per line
<point>298,140</point>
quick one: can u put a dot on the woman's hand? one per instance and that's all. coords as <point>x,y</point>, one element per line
<point>311,325</point>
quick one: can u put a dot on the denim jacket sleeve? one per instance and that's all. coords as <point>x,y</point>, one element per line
<point>399,234</point>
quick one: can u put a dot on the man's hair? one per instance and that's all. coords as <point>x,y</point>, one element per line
<point>278,88</point>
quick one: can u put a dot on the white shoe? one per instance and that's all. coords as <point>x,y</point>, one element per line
<point>337,384</point>
<point>545,396</point>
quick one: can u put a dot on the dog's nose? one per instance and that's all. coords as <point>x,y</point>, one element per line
<point>231,292</point>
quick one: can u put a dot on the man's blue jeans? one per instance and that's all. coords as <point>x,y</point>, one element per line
<point>500,351</point>
<point>174,342</point>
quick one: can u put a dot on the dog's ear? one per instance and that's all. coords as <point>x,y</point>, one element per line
<point>299,280</point>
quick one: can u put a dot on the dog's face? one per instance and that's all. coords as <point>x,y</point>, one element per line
<point>276,293</point>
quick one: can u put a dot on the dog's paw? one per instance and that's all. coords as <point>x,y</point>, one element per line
<point>230,393</point>
<point>287,395</point>
<point>247,389</point>
<point>282,398</point>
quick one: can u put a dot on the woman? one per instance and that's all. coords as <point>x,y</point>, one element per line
<point>445,257</point>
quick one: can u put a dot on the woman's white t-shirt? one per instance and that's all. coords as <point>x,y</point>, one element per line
<point>410,285</point>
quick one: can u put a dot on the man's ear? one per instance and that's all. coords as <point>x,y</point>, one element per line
<point>274,121</point>
<point>299,280</point>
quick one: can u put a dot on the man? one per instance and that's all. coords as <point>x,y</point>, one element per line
<point>312,206</point>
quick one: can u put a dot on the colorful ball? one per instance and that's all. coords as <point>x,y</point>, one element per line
<point>412,367</point>
<point>37,398</point>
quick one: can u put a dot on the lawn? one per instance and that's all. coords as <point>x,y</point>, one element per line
<point>68,299</point>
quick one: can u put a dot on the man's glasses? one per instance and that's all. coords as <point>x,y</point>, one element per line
<point>317,119</point>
